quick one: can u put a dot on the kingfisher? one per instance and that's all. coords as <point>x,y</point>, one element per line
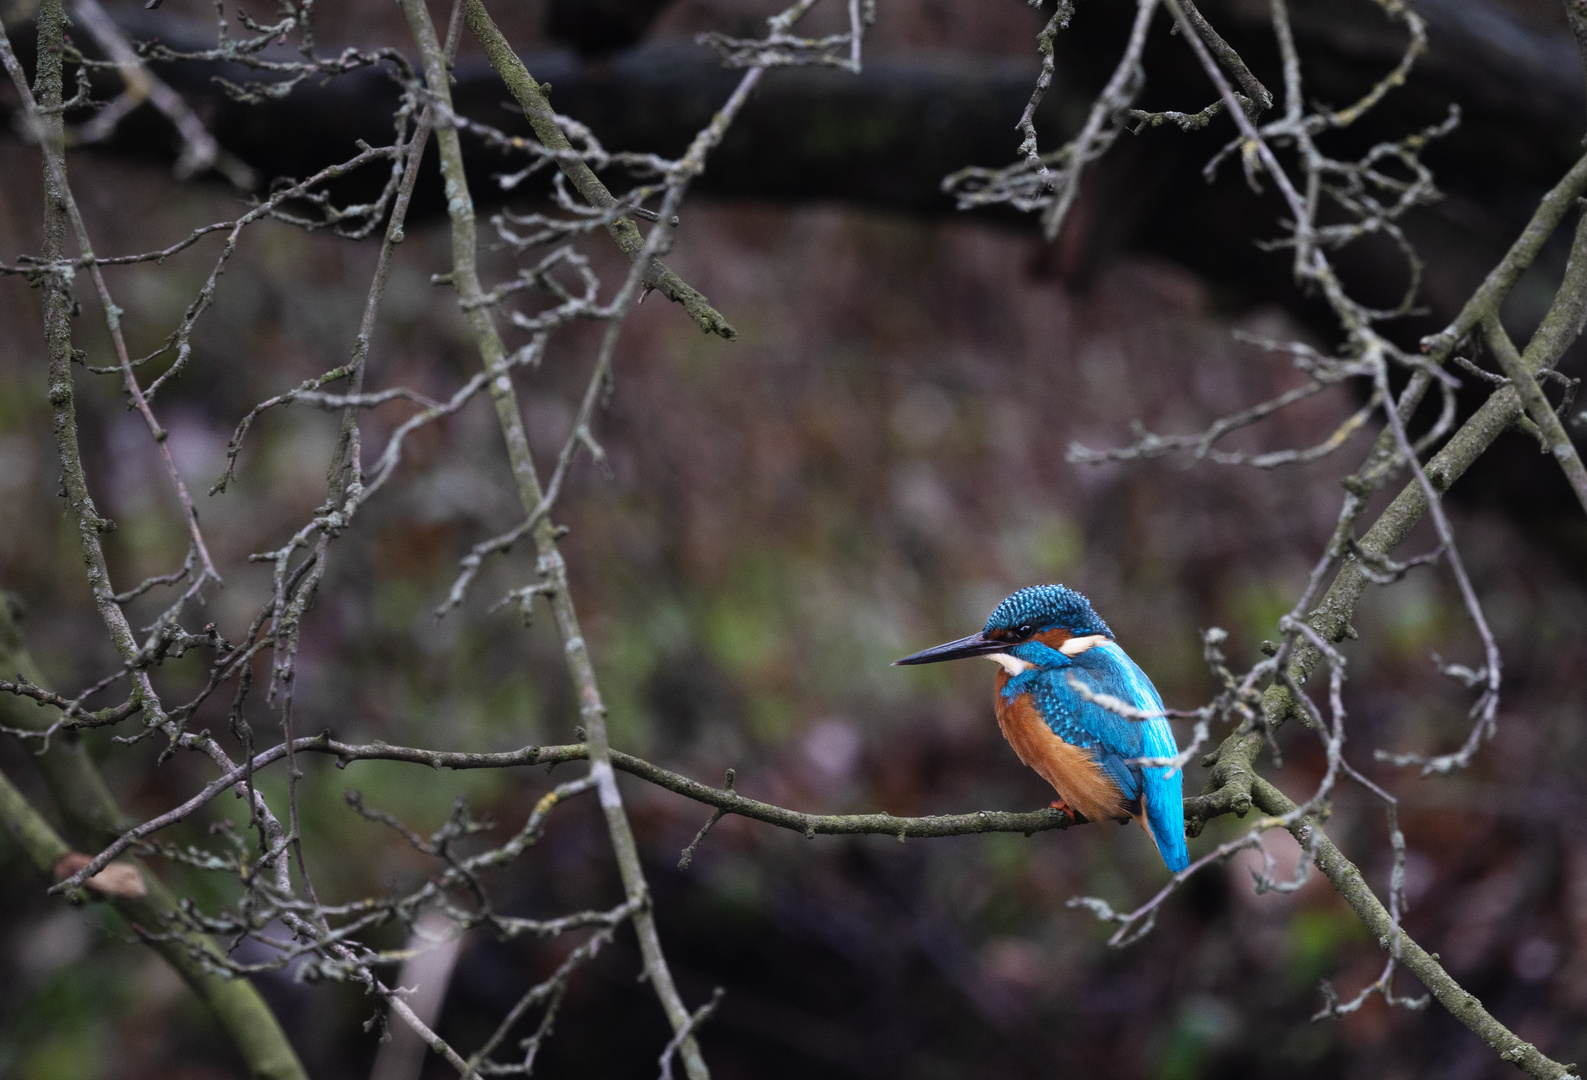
<point>1039,638</point>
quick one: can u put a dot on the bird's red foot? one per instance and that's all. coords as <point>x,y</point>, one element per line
<point>1059,804</point>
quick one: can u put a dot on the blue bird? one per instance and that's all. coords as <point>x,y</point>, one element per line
<point>1041,636</point>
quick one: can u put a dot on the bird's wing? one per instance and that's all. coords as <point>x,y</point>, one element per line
<point>1114,739</point>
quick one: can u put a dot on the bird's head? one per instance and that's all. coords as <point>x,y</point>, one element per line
<point>1025,629</point>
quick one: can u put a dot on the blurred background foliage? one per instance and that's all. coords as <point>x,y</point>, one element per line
<point>876,461</point>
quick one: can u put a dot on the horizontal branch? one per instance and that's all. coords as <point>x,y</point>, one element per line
<point>725,799</point>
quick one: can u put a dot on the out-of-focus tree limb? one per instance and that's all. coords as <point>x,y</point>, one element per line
<point>888,135</point>
<point>1350,883</point>
<point>885,136</point>
<point>200,152</point>
<point>27,826</point>
<point>93,820</point>
<point>601,27</point>
<point>1576,17</point>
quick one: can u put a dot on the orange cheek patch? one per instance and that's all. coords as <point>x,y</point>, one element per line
<point>1054,638</point>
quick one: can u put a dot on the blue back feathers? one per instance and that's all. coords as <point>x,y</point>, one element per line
<point>1043,607</point>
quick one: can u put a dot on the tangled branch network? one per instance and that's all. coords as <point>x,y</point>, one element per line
<point>634,198</point>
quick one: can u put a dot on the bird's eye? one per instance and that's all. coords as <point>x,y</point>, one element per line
<point>1025,630</point>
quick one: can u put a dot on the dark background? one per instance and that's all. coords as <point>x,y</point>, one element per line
<point>874,463</point>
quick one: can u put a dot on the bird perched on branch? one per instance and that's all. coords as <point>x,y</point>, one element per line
<point>1042,638</point>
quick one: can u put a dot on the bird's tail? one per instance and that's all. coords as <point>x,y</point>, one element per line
<point>1165,815</point>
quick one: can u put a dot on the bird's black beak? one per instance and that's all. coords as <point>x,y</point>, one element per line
<point>974,645</point>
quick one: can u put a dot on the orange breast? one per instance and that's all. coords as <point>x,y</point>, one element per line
<point>1071,770</point>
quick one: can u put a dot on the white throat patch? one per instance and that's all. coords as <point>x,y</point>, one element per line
<point>1011,664</point>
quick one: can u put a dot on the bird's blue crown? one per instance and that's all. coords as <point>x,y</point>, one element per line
<point>1042,607</point>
